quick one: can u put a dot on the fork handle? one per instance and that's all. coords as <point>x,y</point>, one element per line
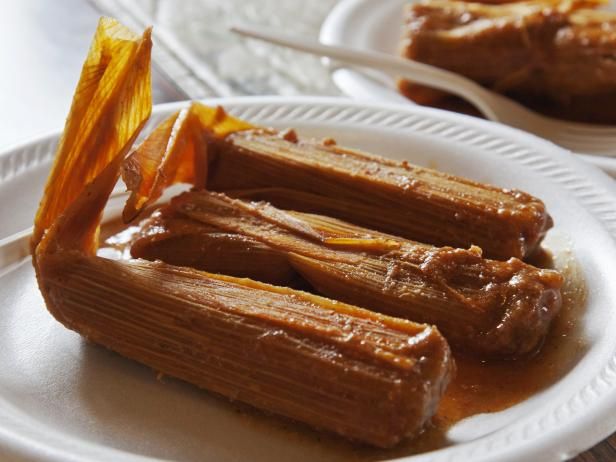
<point>425,74</point>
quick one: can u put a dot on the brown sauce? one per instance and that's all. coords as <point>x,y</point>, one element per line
<point>478,386</point>
<point>492,386</point>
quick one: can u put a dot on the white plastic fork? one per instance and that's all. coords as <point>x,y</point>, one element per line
<point>577,137</point>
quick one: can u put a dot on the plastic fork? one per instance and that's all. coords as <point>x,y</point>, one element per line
<point>577,137</point>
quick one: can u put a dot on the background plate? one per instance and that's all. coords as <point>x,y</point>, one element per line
<point>62,399</point>
<point>370,25</point>
<point>377,26</point>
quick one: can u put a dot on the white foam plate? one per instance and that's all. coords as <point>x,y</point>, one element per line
<point>62,399</point>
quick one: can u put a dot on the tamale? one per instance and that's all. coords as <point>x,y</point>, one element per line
<point>336,367</point>
<point>318,176</point>
<point>386,195</point>
<point>488,307</point>
<point>556,56</point>
<point>362,375</point>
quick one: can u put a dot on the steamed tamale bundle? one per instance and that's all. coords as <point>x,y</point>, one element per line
<point>557,56</point>
<point>489,307</point>
<point>320,177</point>
<point>390,196</point>
<point>360,374</point>
<point>195,302</point>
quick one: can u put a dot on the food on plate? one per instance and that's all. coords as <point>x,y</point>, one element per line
<point>363,375</point>
<point>488,307</point>
<point>320,177</point>
<point>556,56</point>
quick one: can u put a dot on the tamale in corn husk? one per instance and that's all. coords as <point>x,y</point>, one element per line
<point>319,177</point>
<point>333,366</point>
<point>488,307</point>
<point>386,195</point>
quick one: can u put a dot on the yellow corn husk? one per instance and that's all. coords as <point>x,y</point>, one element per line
<point>175,152</point>
<point>111,103</point>
<point>489,307</point>
<point>334,366</point>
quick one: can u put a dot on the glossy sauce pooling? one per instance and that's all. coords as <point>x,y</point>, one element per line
<point>492,386</point>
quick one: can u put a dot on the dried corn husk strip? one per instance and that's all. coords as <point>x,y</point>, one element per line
<point>175,152</point>
<point>486,306</point>
<point>111,103</point>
